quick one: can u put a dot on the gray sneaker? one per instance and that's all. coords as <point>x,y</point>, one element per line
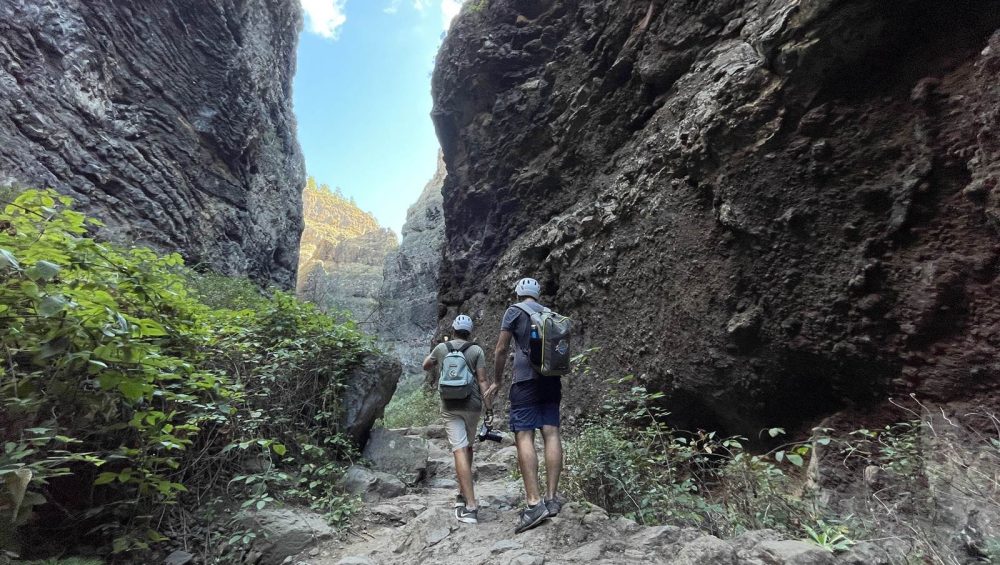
<point>467,516</point>
<point>459,501</point>
<point>554,506</point>
<point>531,517</point>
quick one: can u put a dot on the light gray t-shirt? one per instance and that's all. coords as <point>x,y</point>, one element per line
<point>518,323</point>
<point>477,360</point>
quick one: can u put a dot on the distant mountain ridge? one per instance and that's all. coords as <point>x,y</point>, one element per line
<point>341,252</point>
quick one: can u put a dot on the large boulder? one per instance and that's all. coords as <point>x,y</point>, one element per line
<point>370,387</point>
<point>282,532</point>
<point>793,552</point>
<point>371,485</point>
<point>402,456</point>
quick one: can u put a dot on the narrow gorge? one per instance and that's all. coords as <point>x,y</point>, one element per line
<point>774,223</point>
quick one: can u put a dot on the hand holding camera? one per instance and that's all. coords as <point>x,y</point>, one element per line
<point>486,429</point>
<point>486,433</point>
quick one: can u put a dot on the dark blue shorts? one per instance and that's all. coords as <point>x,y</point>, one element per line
<point>535,403</point>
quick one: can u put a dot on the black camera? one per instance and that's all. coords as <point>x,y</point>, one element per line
<point>487,433</point>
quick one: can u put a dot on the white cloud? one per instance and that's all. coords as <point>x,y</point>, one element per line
<point>324,17</point>
<point>450,9</point>
<point>418,5</point>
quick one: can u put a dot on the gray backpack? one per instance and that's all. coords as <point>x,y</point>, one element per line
<point>456,379</point>
<point>548,343</point>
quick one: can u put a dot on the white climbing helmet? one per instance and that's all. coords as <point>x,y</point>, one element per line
<point>462,322</point>
<point>528,287</point>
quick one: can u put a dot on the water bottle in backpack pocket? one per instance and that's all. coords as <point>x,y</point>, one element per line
<point>456,379</point>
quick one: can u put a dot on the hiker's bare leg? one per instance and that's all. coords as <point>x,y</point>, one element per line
<point>463,470</point>
<point>527,460</point>
<point>553,459</point>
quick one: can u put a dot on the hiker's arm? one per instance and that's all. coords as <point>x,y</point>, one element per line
<point>500,356</point>
<point>429,363</point>
<point>486,386</point>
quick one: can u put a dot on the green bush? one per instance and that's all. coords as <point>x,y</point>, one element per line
<point>628,462</point>
<point>417,407</point>
<point>122,385</point>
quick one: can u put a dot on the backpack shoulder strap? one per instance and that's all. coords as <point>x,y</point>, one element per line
<point>524,309</point>
<point>450,347</point>
<point>465,346</point>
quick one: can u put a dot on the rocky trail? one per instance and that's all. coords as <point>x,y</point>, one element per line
<point>415,524</point>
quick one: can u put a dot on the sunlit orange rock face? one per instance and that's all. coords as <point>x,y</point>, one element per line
<point>341,253</point>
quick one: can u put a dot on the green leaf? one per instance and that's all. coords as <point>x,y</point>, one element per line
<point>17,486</point>
<point>132,390</point>
<point>279,448</point>
<point>30,289</point>
<point>106,478</point>
<point>7,260</point>
<point>51,305</point>
<point>151,328</point>
<point>775,432</point>
<point>780,456</point>
<point>43,271</point>
<point>795,459</point>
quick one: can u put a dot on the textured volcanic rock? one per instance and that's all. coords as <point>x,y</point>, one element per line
<point>769,209</point>
<point>342,252</point>
<point>170,121</point>
<point>408,317</point>
<point>369,388</point>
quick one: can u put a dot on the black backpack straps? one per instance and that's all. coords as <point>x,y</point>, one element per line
<point>450,347</point>
<point>465,346</point>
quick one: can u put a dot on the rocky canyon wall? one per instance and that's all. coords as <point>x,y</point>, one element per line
<point>769,209</point>
<point>408,314</point>
<point>170,121</point>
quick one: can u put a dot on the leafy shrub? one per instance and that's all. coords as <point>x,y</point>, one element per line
<point>913,480</point>
<point>476,6</point>
<point>627,461</point>
<point>226,293</point>
<point>926,471</point>
<point>122,390</point>
<point>416,407</point>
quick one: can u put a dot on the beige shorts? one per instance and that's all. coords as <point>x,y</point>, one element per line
<point>461,428</point>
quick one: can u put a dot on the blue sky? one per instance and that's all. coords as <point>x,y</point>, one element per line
<point>362,98</point>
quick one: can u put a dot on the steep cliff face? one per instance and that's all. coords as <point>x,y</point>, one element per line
<point>408,315</point>
<point>770,209</point>
<point>342,252</point>
<point>170,121</point>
